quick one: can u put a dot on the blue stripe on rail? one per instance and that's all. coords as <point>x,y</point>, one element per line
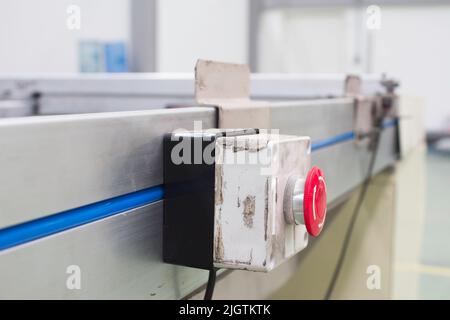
<point>42,227</point>
<point>347,136</point>
<point>389,123</point>
<point>332,141</point>
<point>49,225</point>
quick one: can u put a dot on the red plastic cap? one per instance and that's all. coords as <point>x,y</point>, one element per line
<point>315,201</point>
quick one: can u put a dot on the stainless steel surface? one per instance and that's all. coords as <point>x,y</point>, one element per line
<point>308,86</point>
<point>345,166</point>
<point>61,162</point>
<point>158,84</point>
<point>318,119</point>
<point>73,104</point>
<point>66,94</point>
<point>119,258</point>
<point>297,201</point>
<point>55,163</point>
<point>73,160</point>
<point>178,84</point>
<point>16,108</point>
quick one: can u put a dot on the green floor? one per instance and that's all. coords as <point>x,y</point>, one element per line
<point>435,281</point>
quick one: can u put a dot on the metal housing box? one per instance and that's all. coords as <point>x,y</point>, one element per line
<point>252,173</point>
<point>227,211</point>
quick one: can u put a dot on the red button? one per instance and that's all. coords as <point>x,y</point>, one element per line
<point>315,201</point>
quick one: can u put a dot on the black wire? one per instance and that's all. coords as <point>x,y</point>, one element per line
<point>211,284</point>
<point>375,144</point>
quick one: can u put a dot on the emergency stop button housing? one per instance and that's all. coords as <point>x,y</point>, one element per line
<point>238,206</point>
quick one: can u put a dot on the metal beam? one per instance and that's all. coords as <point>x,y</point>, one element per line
<point>61,162</point>
<point>124,92</point>
<point>272,85</point>
<point>120,256</point>
<point>58,163</point>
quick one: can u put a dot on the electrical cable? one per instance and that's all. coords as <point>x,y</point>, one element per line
<point>375,145</point>
<point>211,284</point>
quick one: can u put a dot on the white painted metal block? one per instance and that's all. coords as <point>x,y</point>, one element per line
<point>252,173</point>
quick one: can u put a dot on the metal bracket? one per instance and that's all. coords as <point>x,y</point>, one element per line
<point>389,100</point>
<point>369,112</point>
<point>227,86</point>
<point>364,109</point>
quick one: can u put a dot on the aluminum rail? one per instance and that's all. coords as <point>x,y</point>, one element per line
<point>68,94</point>
<point>178,84</point>
<point>57,163</point>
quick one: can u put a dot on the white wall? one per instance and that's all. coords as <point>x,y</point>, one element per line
<point>413,44</point>
<point>34,36</point>
<point>303,41</point>
<point>192,29</point>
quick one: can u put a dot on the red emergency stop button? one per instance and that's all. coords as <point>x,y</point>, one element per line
<point>315,201</point>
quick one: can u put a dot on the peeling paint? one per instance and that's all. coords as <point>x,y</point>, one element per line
<point>266,209</point>
<point>233,144</point>
<point>249,219</point>
<point>219,178</point>
<point>201,84</point>
<point>240,262</point>
<point>238,198</point>
<point>219,250</point>
<point>249,211</point>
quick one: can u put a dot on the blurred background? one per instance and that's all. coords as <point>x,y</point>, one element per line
<point>408,40</point>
